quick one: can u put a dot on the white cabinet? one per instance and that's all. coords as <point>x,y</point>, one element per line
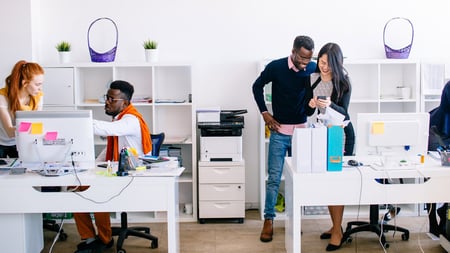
<point>221,190</point>
<point>58,86</point>
<point>375,89</point>
<point>375,86</point>
<point>162,94</point>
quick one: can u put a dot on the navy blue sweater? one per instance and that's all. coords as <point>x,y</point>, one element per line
<point>440,115</point>
<point>288,91</point>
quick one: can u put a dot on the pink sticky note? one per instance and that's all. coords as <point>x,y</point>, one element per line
<point>24,126</point>
<point>51,136</point>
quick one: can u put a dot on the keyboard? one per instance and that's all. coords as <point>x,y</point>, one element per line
<point>381,167</point>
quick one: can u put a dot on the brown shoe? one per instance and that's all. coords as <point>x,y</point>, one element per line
<point>267,231</point>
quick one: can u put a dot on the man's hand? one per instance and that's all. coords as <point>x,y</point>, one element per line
<point>270,121</point>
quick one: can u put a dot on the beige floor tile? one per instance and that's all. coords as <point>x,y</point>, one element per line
<point>226,237</point>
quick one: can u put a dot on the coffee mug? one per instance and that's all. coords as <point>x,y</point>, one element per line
<point>188,208</point>
<point>403,92</point>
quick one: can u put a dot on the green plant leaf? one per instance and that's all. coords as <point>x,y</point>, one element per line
<point>150,44</point>
<point>63,46</point>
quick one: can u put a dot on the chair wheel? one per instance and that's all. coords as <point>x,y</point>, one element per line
<point>121,251</point>
<point>348,240</point>
<point>154,244</point>
<point>386,245</point>
<point>405,237</point>
<point>62,237</point>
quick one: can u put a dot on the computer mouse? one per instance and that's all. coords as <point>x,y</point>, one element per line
<point>3,162</point>
<point>354,163</point>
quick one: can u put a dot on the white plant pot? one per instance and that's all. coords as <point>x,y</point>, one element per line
<point>151,55</point>
<point>64,57</point>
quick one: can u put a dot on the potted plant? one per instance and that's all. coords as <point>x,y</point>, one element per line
<point>151,50</point>
<point>63,49</point>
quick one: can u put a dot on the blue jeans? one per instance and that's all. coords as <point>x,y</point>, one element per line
<point>279,145</point>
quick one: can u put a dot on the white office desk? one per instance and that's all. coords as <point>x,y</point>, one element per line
<point>22,206</point>
<point>354,186</point>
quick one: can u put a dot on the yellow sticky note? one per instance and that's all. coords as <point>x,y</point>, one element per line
<point>37,128</point>
<point>378,128</point>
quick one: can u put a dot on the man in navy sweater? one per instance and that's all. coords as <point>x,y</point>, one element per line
<point>289,81</point>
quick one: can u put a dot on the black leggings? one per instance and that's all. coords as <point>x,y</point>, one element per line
<point>8,151</point>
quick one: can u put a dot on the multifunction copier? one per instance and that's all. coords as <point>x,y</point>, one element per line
<point>222,141</point>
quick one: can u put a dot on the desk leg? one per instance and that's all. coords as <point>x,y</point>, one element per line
<point>293,217</point>
<point>173,232</point>
<point>21,233</point>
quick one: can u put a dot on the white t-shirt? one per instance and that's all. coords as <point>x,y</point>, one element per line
<point>5,140</point>
<point>127,129</point>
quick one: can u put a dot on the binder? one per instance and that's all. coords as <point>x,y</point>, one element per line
<point>319,149</point>
<point>301,150</point>
<point>335,148</point>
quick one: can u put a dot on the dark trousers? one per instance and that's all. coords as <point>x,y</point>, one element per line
<point>436,227</point>
<point>8,151</point>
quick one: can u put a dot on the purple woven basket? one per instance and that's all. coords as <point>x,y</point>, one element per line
<point>107,56</point>
<point>402,53</point>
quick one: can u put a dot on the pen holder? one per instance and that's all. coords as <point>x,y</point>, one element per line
<point>124,164</point>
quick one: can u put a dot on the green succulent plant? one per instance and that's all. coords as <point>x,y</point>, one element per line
<point>63,46</point>
<point>150,44</point>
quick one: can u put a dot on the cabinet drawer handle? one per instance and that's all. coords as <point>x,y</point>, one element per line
<point>222,170</point>
<point>221,188</point>
<point>222,205</point>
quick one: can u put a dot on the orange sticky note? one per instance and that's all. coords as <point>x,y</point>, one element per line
<point>51,136</point>
<point>378,128</point>
<point>24,126</point>
<point>37,128</point>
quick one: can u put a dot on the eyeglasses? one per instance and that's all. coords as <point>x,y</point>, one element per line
<point>111,99</point>
<point>300,59</point>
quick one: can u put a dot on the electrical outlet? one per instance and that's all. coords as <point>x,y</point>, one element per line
<point>78,153</point>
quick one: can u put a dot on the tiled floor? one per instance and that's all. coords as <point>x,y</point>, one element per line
<point>234,237</point>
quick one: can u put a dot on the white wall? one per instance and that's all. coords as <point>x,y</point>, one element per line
<point>15,31</point>
<point>224,39</point>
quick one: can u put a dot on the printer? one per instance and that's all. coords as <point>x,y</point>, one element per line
<point>222,141</point>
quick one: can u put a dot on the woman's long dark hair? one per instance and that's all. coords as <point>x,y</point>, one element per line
<point>340,79</point>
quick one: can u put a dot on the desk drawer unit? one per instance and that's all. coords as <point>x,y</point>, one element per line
<point>221,190</point>
<point>221,174</point>
<point>221,209</point>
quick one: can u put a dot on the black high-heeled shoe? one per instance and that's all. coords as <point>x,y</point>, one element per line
<point>326,235</point>
<point>332,247</point>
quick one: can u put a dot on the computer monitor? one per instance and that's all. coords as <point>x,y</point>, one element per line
<point>398,134</point>
<point>56,138</point>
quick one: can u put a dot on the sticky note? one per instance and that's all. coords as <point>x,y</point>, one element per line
<point>37,128</point>
<point>51,136</point>
<point>24,126</point>
<point>378,128</point>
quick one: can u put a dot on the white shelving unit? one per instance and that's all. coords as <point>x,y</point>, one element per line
<point>374,89</point>
<point>170,110</point>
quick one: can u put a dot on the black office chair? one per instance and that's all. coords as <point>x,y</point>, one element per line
<point>374,226</point>
<point>143,232</point>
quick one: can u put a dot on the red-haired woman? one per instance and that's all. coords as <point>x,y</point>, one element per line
<point>22,92</point>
